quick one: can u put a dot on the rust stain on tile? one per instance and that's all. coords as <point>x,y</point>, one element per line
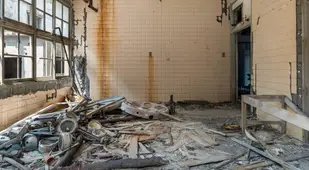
<point>150,77</point>
<point>106,26</point>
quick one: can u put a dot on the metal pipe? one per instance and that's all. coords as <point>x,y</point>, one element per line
<point>14,163</point>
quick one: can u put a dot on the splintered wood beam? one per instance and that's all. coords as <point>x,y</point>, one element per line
<point>298,120</point>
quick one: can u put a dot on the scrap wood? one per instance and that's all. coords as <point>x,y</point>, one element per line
<point>217,132</point>
<point>146,138</point>
<point>181,141</point>
<point>269,163</point>
<point>202,161</point>
<point>171,117</point>
<point>117,164</point>
<point>266,155</point>
<point>205,136</point>
<point>133,148</point>
<point>232,159</point>
<point>198,139</point>
<point>142,133</point>
<point>143,150</point>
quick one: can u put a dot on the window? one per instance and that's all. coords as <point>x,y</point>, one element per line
<point>44,15</point>
<point>17,55</point>
<point>62,19</point>
<point>17,59</point>
<point>19,10</point>
<point>62,66</point>
<point>44,58</point>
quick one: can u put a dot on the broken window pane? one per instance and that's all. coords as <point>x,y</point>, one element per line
<point>39,20</point>
<point>65,14</point>
<point>58,24</point>
<point>11,9</point>
<point>65,29</point>
<point>58,10</point>
<point>48,23</point>
<point>10,67</point>
<point>10,43</point>
<point>26,67</point>
<point>25,15</point>
<point>25,45</point>
<point>49,6</point>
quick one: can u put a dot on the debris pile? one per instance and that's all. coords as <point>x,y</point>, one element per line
<point>117,134</point>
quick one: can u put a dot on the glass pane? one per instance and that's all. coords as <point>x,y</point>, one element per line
<point>66,68</point>
<point>10,42</point>
<point>58,24</point>
<point>48,23</point>
<point>25,67</point>
<point>39,20</point>
<point>59,65</point>
<point>58,10</point>
<point>25,15</point>
<point>49,6</point>
<point>29,1</point>
<point>65,29</point>
<point>45,52</point>
<point>10,67</point>
<point>11,9</point>
<point>59,50</point>
<point>50,51</point>
<point>65,13</point>
<point>25,45</point>
<point>40,4</point>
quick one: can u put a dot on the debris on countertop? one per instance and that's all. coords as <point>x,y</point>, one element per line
<point>118,134</point>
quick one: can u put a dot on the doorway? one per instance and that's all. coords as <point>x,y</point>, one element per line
<point>243,62</point>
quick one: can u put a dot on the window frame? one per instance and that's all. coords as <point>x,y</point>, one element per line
<point>18,11</point>
<point>35,33</point>
<point>17,56</point>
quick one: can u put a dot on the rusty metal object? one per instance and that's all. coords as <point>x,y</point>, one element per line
<point>65,141</point>
<point>67,126</point>
<point>18,138</point>
<point>48,144</point>
<point>106,105</point>
<point>30,142</point>
<point>144,110</point>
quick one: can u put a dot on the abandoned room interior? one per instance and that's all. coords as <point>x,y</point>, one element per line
<point>154,84</point>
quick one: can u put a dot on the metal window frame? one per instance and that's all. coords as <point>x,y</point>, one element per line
<point>52,76</point>
<point>34,32</point>
<point>17,56</point>
<point>63,59</point>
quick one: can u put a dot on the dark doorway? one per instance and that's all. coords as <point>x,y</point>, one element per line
<point>244,61</point>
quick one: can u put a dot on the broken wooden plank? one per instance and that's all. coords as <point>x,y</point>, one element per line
<point>181,141</point>
<point>232,159</point>
<point>141,133</point>
<point>298,120</point>
<point>205,137</point>
<point>203,161</point>
<point>264,164</point>
<point>133,148</point>
<point>171,117</point>
<point>198,140</point>
<point>266,155</point>
<point>216,132</point>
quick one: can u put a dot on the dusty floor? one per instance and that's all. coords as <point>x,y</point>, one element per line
<point>180,143</point>
<point>284,146</point>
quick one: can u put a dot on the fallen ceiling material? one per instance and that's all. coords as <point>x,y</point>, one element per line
<point>114,134</point>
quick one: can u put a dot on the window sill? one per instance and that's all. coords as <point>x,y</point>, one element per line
<point>12,88</point>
